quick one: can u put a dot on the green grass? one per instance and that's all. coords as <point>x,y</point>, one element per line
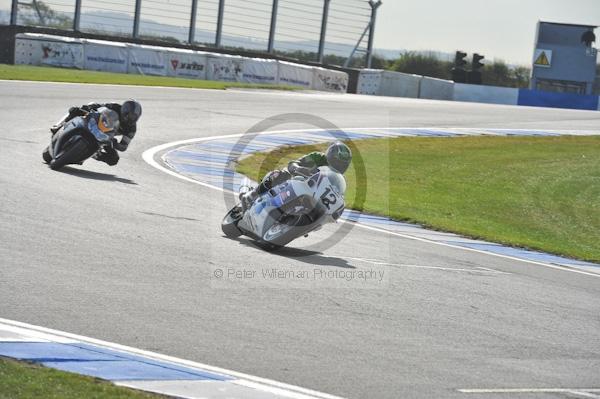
<point>50,74</point>
<point>21,380</point>
<point>534,192</point>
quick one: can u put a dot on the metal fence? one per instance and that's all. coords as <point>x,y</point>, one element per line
<point>314,28</point>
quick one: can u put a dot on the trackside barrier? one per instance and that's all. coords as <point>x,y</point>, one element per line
<point>98,55</point>
<point>395,84</point>
<point>329,80</point>
<point>146,60</point>
<point>227,68</point>
<point>258,70</point>
<point>56,51</point>
<point>536,98</point>
<point>436,89</point>
<point>388,83</point>
<point>294,74</point>
<point>105,56</point>
<point>485,94</point>
<point>187,64</point>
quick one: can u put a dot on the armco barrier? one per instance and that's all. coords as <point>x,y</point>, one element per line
<point>436,89</point>
<point>485,94</point>
<point>99,55</point>
<point>536,98</point>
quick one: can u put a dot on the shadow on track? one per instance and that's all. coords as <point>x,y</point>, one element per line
<point>86,174</point>
<point>311,257</point>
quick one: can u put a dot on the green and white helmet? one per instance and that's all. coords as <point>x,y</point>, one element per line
<point>339,156</point>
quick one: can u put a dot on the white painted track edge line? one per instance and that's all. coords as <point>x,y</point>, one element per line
<point>527,390</point>
<point>301,393</point>
<point>149,154</point>
<point>564,268</point>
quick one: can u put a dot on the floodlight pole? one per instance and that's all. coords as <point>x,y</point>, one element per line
<point>219,34</point>
<point>14,9</point>
<point>323,30</point>
<point>192,33</point>
<point>136,18</point>
<point>273,26</point>
<point>77,15</point>
<point>374,6</point>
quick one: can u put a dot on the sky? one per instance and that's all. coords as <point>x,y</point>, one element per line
<point>500,29</point>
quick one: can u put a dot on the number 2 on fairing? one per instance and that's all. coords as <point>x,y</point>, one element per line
<point>329,197</point>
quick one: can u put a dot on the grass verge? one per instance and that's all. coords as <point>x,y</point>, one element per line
<point>50,74</point>
<point>535,192</point>
<point>23,380</point>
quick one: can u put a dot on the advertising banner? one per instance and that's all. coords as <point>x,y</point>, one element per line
<point>105,56</point>
<point>258,70</point>
<point>35,49</point>
<point>225,68</point>
<point>147,60</point>
<point>187,64</point>
<point>295,75</point>
<point>328,80</point>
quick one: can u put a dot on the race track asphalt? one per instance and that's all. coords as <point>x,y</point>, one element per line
<point>127,254</point>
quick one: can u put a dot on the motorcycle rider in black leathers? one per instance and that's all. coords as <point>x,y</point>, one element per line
<point>338,157</point>
<point>129,112</point>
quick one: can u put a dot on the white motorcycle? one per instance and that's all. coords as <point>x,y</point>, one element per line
<point>290,210</point>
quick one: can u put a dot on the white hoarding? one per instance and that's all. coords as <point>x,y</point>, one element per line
<point>105,56</point>
<point>187,64</point>
<point>258,70</point>
<point>388,83</point>
<point>369,81</point>
<point>436,89</point>
<point>328,80</point>
<point>295,75</point>
<point>225,68</point>
<point>147,60</point>
<point>486,94</point>
<point>37,49</point>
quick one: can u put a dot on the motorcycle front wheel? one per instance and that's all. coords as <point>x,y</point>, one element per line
<point>229,223</point>
<point>70,153</point>
<point>46,155</point>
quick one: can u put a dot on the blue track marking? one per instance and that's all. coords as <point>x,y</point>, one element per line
<point>101,362</point>
<point>126,370</point>
<point>49,351</point>
<point>201,170</point>
<point>284,140</point>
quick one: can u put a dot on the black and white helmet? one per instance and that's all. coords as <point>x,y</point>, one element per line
<point>131,111</point>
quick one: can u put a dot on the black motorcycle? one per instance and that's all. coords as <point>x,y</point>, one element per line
<point>81,137</point>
